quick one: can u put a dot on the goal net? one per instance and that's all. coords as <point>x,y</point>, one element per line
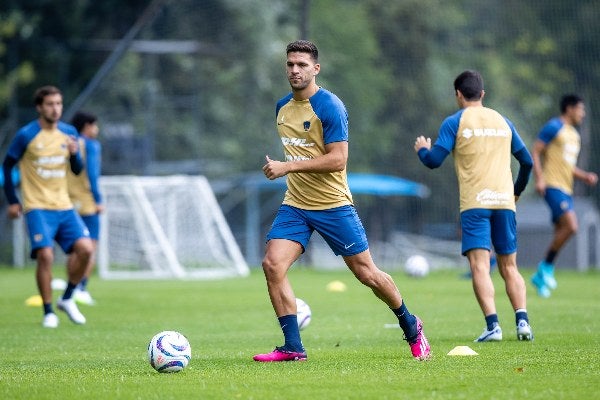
<point>165,227</point>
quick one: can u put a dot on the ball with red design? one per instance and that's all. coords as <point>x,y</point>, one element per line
<point>169,351</point>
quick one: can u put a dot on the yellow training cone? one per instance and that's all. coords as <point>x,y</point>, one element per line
<point>34,301</point>
<point>336,286</point>
<point>462,351</point>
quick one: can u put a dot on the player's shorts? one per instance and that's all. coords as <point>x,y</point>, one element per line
<point>483,228</point>
<point>559,202</point>
<point>46,226</point>
<point>93,224</point>
<point>340,227</point>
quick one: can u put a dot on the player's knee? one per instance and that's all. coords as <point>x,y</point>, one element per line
<point>270,267</point>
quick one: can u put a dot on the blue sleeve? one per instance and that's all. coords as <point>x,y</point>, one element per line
<point>76,163</point>
<point>526,165</point>
<point>433,158</point>
<point>333,115</point>
<point>448,130</point>
<point>519,150</point>
<point>9,187</point>
<point>549,131</point>
<point>94,167</point>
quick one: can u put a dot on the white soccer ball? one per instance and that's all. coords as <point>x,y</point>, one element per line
<point>303,313</point>
<point>416,266</point>
<point>169,351</point>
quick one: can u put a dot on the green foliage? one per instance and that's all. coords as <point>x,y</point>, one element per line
<point>351,354</point>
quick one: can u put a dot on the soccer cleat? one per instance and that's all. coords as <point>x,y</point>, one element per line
<point>546,271</point>
<point>279,354</point>
<point>495,335</point>
<point>524,331</point>
<point>419,347</point>
<point>540,285</point>
<point>50,321</point>
<point>70,308</point>
<point>83,297</point>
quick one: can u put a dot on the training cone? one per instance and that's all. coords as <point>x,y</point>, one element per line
<point>336,286</point>
<point>462,351</point>
<point>34,301</point>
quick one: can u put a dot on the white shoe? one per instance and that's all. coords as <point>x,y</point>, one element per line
<point>83,297</point>
<point>495,335</point>
<point>524,330</point>
<point>50,321</point>
<point>69,307</point>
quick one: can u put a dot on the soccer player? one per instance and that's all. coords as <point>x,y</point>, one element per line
<point>44,149</point>
<point>313,126</point>
<point>555,154</point>
<point>481,142</point>
<point>84,191</point>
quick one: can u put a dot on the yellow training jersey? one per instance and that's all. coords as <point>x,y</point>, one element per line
<point>560,154</point>
<point>481,142</point>
<point>305,127</point>
<point>43,162</point>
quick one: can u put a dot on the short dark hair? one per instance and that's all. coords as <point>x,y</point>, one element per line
<point>470,84</point>
<point>303,46</point>
<point>569,100</point>
<point>81,118</point>
<point>40,93</point>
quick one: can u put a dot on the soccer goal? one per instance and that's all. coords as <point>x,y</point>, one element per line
<point>165,227</point>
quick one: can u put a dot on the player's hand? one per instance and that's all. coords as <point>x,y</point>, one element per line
<point>72,145</point>
<point>591,178</point>
<point>14,211</point>
<point>274,169</point>
<point>422,142</point>
<point>100,208</point>
<point>540,187</point>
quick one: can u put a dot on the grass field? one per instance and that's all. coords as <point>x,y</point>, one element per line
<point>351,354</point>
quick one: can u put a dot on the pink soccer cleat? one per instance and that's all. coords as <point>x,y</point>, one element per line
<point>280,354</point>
<point>419,347</point>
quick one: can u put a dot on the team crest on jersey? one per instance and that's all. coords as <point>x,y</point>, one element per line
<point>306,125</point>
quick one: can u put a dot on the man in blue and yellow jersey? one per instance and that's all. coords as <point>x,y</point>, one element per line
<point>44,149</point>
<point>84,191</point>
<point>481,142</point>
<point>555,154</point>
<point>313,126</point>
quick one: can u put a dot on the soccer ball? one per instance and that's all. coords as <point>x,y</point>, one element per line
<point>169,351</point>
<point>303,313</point>
<point>416,266</point>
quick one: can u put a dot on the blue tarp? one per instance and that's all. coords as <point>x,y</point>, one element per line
<point>360,183</point>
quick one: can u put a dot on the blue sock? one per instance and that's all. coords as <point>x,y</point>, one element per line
<point>491,321</point>
<point>408,322</point>
<point>83,284</point>
<point>520,314</point>
<point>48,308</point>
<point>291,333</point>
<point>69,291</point>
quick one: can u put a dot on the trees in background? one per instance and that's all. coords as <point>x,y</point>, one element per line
<point>201,81</point>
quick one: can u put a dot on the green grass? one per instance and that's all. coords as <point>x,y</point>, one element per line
<point>351,354</point>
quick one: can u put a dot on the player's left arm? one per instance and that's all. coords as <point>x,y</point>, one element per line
<point>334,159</point>
<point>589,178</point>
<point>520,152</point>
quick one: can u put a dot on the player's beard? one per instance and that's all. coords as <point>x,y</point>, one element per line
<point>51,118</point>
<point>298,84</point>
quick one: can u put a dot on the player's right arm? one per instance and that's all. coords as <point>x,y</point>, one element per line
<point>433,157</point>
<point>14,209</point>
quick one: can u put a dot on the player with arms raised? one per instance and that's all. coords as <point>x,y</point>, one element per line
<point>313,126</point>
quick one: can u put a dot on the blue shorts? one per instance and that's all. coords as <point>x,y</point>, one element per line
<point>340,227</point>
<point>93,224</point>
<point>482,228</point>
<point>46,226</point>
<point>559,203</point>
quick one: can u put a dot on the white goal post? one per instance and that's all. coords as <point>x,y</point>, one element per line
<point>165,227</point>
